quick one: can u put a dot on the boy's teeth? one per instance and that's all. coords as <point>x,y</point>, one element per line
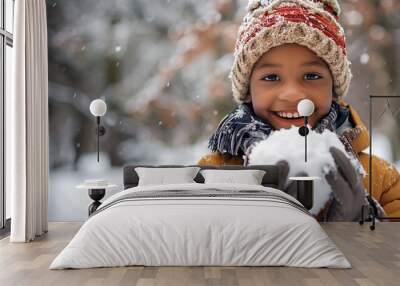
<point>289,115</point>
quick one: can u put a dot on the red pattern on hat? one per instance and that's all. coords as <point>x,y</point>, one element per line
<point>294,14</point>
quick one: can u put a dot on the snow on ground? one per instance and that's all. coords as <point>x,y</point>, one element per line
<point>67,203</point>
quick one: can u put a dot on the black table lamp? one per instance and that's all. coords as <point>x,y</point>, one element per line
<point>306,109</point>
<point>98,108</point>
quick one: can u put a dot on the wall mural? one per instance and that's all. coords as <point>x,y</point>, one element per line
<point>162,68</point>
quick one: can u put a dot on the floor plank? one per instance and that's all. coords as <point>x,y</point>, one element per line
<point>374,255</point>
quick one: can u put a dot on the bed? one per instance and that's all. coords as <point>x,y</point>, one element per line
<point>201,224</point>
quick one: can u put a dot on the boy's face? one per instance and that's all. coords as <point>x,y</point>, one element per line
<point>285,75</point>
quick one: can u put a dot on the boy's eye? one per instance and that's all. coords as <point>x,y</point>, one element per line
<point>271,77</point>
<point>311,76</point>
<point>308,76</point>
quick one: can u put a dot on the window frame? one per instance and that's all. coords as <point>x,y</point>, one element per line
<point>6,39</point>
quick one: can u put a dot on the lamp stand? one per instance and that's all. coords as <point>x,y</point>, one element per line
<point>303,131</point>
<point>305,138</point>
<point>100,131</point>
<point>98,137</point>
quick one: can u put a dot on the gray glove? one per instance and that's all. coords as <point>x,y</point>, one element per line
<point>348,191</point>
<point>283,171</point>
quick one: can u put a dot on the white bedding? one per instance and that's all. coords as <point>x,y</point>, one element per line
<point>200,231</point>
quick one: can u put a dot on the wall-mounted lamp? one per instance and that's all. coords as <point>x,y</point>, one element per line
<point>306,109</point>
<point>98,108</point>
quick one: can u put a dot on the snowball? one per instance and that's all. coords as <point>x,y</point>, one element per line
<point>287,144</point>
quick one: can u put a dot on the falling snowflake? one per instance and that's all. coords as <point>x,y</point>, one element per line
<point>354,18</point>
<point>117,49</point>
<point>364,58</point>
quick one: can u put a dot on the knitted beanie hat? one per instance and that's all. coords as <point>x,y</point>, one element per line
<point>271,23</point>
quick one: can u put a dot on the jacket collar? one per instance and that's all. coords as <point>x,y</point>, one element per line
<point>359,135</point>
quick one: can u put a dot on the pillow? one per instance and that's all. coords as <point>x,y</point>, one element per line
<point>249,177</point>
<point>162,176</point>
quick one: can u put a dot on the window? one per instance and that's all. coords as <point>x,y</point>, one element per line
<point>6,45</point>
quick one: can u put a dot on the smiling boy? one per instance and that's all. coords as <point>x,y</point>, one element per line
<point>286,51</point>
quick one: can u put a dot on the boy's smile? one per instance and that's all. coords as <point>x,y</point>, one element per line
<point>285,75</point>
<point>284,117</point>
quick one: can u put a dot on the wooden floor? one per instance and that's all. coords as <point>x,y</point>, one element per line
<point>374,255</point>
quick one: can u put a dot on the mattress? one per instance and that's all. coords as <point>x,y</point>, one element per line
<point>201,225</point>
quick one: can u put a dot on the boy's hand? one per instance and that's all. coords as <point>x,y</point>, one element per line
<point>348,191</point>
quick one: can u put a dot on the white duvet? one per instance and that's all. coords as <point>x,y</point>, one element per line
<point>200,231</point>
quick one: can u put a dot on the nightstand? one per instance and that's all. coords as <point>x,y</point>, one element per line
<point>305,190</point>
<point>96,190</point>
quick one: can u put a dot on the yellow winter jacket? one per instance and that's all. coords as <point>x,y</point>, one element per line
<point>385,177</point>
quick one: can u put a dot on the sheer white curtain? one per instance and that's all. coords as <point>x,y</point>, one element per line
<point>27,123</point>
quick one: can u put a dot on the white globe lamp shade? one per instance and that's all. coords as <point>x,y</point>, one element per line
<point>305,107</point>
<point>98,107</point>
